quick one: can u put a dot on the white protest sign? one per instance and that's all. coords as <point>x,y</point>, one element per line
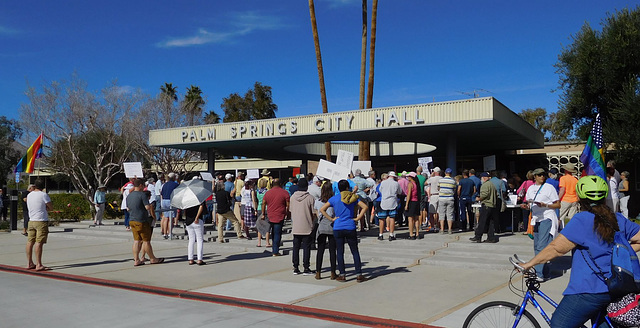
<point>424,163</point>
<point>206,176</point>
<point>345,159</point>
<point>364,166</point>
<point>332,171</point>
<point>253,174</point>
<point>133,170</point>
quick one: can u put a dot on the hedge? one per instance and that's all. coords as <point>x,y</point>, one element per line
<point>75,207</point>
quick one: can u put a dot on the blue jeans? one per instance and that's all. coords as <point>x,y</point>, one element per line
<point>351,238</point>
<point>466,212</point>
<point>126,218</point>
<point>276,235</point>
<point>574,310</point>
<point>541,238</point>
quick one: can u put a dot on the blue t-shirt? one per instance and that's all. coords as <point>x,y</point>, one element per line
<point>344,214</point>
<point>478,183</point>
<point>167,189</point>
<point>555,183</point>
<point>466,187</point>
<point>580,231</point>
<point>228,186</point>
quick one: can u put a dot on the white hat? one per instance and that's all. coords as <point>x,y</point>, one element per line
<point>436,169</point>
<point>316,178</point>
<point>393,174</point>
<point>228,176</point>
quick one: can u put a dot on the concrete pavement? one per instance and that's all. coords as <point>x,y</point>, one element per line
<point>434,281</point>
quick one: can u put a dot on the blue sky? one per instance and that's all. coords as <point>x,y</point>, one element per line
<point>426,50</point>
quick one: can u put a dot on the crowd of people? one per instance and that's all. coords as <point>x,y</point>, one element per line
<point>330,214</point>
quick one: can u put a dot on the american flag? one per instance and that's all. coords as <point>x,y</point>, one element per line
<point>593,154</point>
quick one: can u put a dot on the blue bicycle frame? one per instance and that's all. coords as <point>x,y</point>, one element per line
<point>529,297</point>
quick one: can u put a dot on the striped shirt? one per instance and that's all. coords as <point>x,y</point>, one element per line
<point>447,186</point>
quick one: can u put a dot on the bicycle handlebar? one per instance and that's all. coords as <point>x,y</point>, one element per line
<point>516,263</point>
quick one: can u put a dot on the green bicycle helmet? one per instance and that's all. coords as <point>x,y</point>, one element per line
<point>592,187</point>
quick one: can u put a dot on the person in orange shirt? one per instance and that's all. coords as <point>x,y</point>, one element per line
<point>567,194</point>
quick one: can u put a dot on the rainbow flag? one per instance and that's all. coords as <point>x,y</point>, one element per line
<point>593,154</point>
<point>27,162</point>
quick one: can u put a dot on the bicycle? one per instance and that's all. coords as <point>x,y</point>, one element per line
<point>502,314</point>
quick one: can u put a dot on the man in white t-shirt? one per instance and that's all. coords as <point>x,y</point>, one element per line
<point>542,200</point>
<point>38,203</point>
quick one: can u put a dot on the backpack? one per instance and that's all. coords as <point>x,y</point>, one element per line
<point>625,268</point>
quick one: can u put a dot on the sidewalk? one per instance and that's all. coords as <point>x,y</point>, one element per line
<point>434,281</point>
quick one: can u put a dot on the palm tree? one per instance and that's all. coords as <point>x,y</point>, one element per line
<point>363,65</point>
<point>366,146</point>
<point>169,91</point>
<point>192,104</point>
<point>323,92</point>
<point>211,118</point>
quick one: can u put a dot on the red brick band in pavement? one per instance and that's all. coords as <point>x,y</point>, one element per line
<point>336,316</point>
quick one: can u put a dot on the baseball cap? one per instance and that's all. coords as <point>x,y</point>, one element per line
<point>538,171</point>
<point>484,175</point>
<point>228,176</point>
<point>392,173</point>
<point>448,170</point>
<point>436,169</point>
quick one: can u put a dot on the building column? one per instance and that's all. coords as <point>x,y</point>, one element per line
<point>211,160</point>
<point>451,153</point>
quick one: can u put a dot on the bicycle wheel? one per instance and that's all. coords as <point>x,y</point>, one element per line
<point>498,314</point>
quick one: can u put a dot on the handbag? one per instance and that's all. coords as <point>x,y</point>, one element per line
<point>626,311</point>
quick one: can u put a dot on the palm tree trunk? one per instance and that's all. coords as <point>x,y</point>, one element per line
<point>366,147</point>
<point>363,66</point>
<point>323,92</point>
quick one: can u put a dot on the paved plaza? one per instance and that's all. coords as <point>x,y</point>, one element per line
<point>435,281</point>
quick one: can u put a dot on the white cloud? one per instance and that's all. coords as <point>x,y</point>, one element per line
<point>240,24</point>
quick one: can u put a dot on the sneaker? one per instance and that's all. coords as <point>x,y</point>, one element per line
<point>308,273</point>
<point>296,272</point>
<point>451,232</point>
<point>490,241</point>
<point>361,278</point>
<point>341,278</point>
<point>380,237</point>
<point>276,254</point>
<point>541,279</point>
<point>442,232</point>
<point>475,240</point>
<point>391,238</point>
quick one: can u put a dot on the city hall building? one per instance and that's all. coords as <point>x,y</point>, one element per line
<point>457,134</point>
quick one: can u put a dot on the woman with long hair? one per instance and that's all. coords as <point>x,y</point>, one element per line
<point>589,233</point>
<point>325,231</point>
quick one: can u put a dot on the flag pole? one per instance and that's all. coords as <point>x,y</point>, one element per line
<point>38,158</point>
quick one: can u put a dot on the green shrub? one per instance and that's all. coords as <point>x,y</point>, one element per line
<point>69,207</point>
<point>4,225</point>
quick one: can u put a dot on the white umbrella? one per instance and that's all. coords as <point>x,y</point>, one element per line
<point>190,193</point>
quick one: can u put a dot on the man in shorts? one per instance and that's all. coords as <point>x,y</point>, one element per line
<point>434,195</point>
<point>389,191</point>
<point>38,203</point>
<point>139,211</point>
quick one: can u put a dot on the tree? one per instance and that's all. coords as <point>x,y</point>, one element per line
<point>548,124</point>
<point>257,104</point>
<point>163,112</point>
<point>365,146</point>
<point>192,104</point>
<point>89,134</point>
<point>211,118</point>
<point>323,91</point>
<point>599,73</point>
<point>10,131</point>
